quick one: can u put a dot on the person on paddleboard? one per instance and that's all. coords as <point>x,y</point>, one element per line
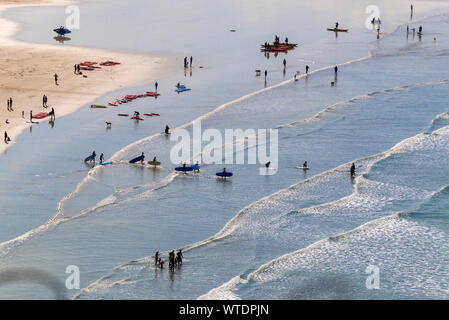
<point>352,170</point>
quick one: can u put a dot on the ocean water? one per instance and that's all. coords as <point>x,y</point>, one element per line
<point>288,235</point>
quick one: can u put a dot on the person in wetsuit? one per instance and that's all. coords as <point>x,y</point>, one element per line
<point>101,158</point>
<point>352,170</point>
<point>167,129</point>
<point>179,257</point>
<point>156,257</point>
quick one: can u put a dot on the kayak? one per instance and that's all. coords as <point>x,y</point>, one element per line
<point>122,114</point>
<point>152,94</point>
<point>97,106</point>
<point>275,49</point>
<point>41,115</point>
<point>337,30</point>
<point>136,118</point>
<point>114,104</point>
<point>148,114</point>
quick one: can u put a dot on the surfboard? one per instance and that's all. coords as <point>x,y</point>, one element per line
<point>196,167</point>
<point>337,30</point>
<point>105,163</point>
<point>154,163</point>
<point>184,169</point>
<point>303,168</point>
<point>224,174</point>
<point>89,158</point>
<point>182,89</point>
<point>97,106</point>
<point>136,159</point>
<point>358,167</point>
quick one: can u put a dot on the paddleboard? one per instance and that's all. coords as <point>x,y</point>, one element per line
<point>62,31</point>
<point>154,163</point>
<point>303,168</point>
<point>224,174</point>
<point>123,114</point>
<point>97,106</point>
<point>89,158</point>
<point>139,158</point>
<point>136,118</point>
<point>358,167</point>
<point>184,169</point>
<point>105,163</point>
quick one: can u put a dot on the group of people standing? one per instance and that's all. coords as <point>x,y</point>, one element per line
<point>172,260</point>
<point>77,69</point>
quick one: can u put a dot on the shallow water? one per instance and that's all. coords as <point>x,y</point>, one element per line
<point>106,217</point>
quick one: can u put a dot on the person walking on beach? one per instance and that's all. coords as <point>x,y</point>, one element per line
<point>191,61</point>
<point>156,257</point>
<point>352,170</point>
<point>10,104</point>
<point>56,79</point>
<point>44,101</point>
<point>52,114</point>
<point>78,68</point>
<point>155,86</point>
<point>7,103</point>
<point>23,114</point>
<point>336,70</point>
<point>185,62</point>
<point>266,74</point>
<point>285,63</point>
<point>6,139</point>
<point>31,116</point>
<point>307,69</point>
<point>75,68</point>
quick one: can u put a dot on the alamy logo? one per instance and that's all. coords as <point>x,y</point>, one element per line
<point>72,21</point>
<point>261,147</point>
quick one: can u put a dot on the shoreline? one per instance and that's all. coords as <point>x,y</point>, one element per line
<point>28,70</point>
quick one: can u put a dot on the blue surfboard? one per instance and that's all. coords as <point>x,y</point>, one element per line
<point>89,158</point>
<point>62,31</point>
<point>139,158</point>
<point>224,174</point>
<point>182,89</point>
<point>358,167</point>
<point>184,169</point>
<point>105,163</point>
<point>196,167</point>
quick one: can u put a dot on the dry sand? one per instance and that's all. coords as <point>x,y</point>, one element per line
<point>27,73</point>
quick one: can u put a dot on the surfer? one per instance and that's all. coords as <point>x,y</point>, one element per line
<point>93,156</point>
<point>179,257</point>
<point>336,69</point>
<point>154,159</point>
<point>304,164</point>
<point>44,101</point>
<point>266,74</point>
<point>143,157</point>
<point>286,40</point>
<point>285,63</point>
<point>336,25</point>
<point>171,260</point>
<point>420,29</point>
<point>191,61</point>
<point>101,158</point>
<point>197,165</point>
<point>167,129</point>
<point>307,69</point>
<point>156,257</point>
<point>267,165</point>
<point>31,116</point>
<point>136,114</point>
<point>352,170</point>
<point>155,86</point>
<point>178,85</point>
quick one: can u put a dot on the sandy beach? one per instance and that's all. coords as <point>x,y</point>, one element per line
<point>27,73</point>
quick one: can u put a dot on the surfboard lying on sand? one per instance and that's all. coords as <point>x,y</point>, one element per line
<point>224,174</point>
<point>136,159</point>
